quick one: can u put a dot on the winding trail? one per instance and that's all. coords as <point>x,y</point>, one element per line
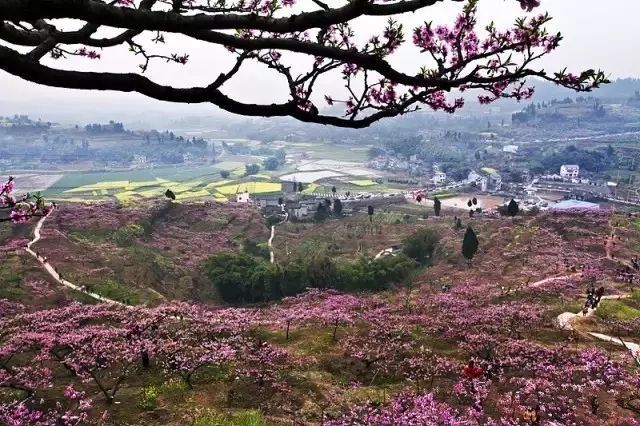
<point>54,274</point>
<point>551,279</point>
<point>272,256</point>
<point>565,319</point>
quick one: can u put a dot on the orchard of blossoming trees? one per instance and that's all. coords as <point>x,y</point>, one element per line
<point>463,56</point>
<point>399,356</point>
<point>90,354</point>
<point>23,208</point>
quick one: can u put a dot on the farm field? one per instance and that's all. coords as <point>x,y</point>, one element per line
<point>485,202</point>
<point>310,177</point>
<point>186,183</point>
<point>71,181</point>
<point>363,182</point>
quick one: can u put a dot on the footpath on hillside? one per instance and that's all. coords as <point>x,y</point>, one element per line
<point>565,319</point>
<point>53,272</point>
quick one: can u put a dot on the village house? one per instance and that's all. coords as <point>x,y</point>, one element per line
<point>243,197</point>
<point>439,178</point>
<point>569,171</point>
<point>487,179</point>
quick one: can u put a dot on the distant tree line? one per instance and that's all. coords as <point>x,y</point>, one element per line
<point>111,127</point>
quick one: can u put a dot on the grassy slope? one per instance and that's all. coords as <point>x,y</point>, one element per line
<point>115,255</point>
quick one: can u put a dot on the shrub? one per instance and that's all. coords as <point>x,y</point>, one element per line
<point>230,274</point>
<point>254,248</point>
<point>241,418</point>
<point>149,398</point>
<point>421,245</point>
<point>126,236</point>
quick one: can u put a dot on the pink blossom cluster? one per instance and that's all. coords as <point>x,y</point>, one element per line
<point>24,208</point>
<point>405,409</point>
<point>91,54</point>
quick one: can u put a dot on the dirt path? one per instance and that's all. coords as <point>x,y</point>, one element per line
<point>565,319</point>
<point>51,270</point>
<point>272,256</point>
<point>551,279</point>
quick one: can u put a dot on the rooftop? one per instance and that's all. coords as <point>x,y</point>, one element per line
<point>573,204</point>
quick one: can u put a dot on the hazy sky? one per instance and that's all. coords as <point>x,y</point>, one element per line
<point>597,34</point>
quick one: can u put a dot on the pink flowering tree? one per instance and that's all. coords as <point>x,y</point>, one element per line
<point>317,307</point>
<point>74,411</point>
<point>462,56</point>
<point>406,408</point>
<point>20,209</point>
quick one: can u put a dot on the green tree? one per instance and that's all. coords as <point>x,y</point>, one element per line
<point>251,169</point>
<point>469,244</point>
<point>271,163</point>
<point>224,174</point>
<point>333,190</point>
<point>230,274</point>
<point>321,272</point>
<point>293,280</point>
<point>437,206</point>
<point>421,245</point>
<point>300,187</point>
<point>169,194</point>
<point>513,208</point>
<point>264,284</point>
<point>337,207</point>
<point>370,213</point>
<point>322,213</point>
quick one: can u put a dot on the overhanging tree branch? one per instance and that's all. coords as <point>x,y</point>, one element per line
<point>455,57</point>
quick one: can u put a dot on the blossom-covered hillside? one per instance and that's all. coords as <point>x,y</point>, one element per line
<point>458,344</point>
<point>145,253</point>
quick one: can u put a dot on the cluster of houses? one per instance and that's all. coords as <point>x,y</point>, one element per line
<point>568,173</point>
<point>296,207</point>
<point>400,163</point>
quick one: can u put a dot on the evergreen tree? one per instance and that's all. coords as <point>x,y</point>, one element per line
<point>370,213</point>
<point>300,188</point>
<point>469,244</point>
<point>333,190</point>
<point>437,205</point>
<point>322,213</point>
<point>337,207</point>
<point>169,194</point>
<point>513,208</point>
